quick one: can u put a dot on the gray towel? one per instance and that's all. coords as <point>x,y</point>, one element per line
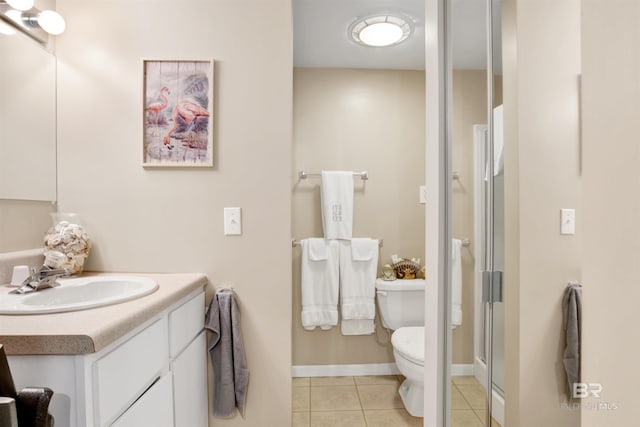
<point>571,310</point>
<point>230,373</point>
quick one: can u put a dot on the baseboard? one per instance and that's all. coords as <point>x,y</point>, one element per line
<point>344,370</point>
<point>363,369</point>
<point>462,370</point>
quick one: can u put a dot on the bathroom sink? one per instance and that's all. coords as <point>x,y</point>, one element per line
<point>79,294</point>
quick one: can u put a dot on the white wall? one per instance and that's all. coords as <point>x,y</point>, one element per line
<point>170,220</point>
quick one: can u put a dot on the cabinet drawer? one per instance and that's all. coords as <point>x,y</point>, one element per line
<point>123,375</point>
<point>185,322</point>
<point>154,408</point>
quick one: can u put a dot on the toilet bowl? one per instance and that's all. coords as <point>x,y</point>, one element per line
<point>408,352</point>
<point>401,304</point>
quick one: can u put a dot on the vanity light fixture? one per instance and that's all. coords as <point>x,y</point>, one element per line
<point>33,22</point>
<point>6,29</point>
<point>21,4</point>
<point>380,30</point>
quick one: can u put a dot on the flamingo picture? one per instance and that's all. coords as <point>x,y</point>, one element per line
<point>157,107</point>
<point>189,112</point>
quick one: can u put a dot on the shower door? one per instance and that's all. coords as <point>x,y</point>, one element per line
<point>477,208</point>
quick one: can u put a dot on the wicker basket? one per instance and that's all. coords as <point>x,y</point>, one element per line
<point>406,269</point>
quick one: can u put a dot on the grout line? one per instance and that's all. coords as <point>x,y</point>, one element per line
<point>364,417</point>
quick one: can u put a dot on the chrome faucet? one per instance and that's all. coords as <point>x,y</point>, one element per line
<point>41,279</point>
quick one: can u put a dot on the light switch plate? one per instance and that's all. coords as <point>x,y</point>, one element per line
<point>567,221</point>
<point>423,194</point>
<point>232,221</point>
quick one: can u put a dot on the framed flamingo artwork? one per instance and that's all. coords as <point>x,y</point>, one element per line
<point>177,113</point>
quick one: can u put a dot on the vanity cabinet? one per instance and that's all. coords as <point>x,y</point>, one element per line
<point>156,375</point>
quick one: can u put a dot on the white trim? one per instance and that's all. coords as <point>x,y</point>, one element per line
<point>459,370</point>
<point>462,370</point>
<point>344,370</point>
<point>437,344</point>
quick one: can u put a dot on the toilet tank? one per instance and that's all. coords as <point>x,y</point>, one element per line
<point>401,302</point>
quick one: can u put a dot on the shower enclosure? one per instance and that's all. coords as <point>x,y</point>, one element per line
<point>464,76</point>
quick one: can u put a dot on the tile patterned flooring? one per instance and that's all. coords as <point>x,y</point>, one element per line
<point>373,401</point>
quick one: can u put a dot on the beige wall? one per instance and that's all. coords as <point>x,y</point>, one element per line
<point>342,120</point>
<point>371,120</point>
<point>171,220</point>
<point>609,221</point>
<point>542,157</point>
<point>469,108</point>
<point>23,224</point>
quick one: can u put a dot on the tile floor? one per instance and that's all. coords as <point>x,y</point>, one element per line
<point>373,401</point>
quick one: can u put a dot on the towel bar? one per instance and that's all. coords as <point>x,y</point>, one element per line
<point>295,242</point>
<point>364,175</point>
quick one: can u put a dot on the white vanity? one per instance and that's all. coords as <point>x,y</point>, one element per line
<point>135,364</point>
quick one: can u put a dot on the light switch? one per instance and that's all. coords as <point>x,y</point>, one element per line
<point>567,221</point>
<point>423,194</point>
<point>232,221</point>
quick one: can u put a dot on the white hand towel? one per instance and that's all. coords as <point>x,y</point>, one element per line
<point>320,283</point>
<point>498,140</point>
<point>456,283</point>
<point>357,286</point>
<point>363,249</point>
<point>337,204</point>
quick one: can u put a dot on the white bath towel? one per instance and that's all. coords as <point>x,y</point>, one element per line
<point>456,283</point>
<point>320,283</point>
<point>337,204</point>
<point>498,143</point>
<point>357,285</point>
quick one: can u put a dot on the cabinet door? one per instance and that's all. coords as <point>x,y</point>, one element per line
<point>153,409</point>
<point>126,372</point>
<point>190,384</point>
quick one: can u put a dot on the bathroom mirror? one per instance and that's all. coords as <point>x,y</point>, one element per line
<point>27,119</point>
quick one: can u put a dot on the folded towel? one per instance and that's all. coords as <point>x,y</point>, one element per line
<point>318,249</point>
<point>320,283</point>
<point>571,310</point>
<point>337,204</point>
<point>456,284</point>
<point>357,287</point>
<point>363,249</point>
<point>226,348</point>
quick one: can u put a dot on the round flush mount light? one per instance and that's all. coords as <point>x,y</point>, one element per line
<point>380,30</point>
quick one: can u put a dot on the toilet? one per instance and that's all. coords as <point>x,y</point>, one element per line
<point>401,304</point>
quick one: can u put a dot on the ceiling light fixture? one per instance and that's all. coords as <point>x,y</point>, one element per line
<point>33,22</point>
<point>380,30</point>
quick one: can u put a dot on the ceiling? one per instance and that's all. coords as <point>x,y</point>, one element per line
<point>321,39</point>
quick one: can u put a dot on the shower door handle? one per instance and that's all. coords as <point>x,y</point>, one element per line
<point>492,280</point>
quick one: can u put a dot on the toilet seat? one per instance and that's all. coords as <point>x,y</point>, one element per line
<point>409,343</point>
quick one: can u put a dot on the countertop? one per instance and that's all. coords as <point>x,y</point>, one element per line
<point>89,331</point>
